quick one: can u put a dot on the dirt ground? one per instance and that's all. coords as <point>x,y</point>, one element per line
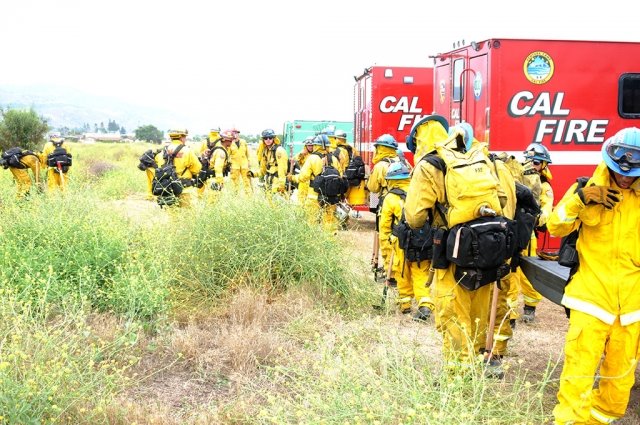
<point>538,345</point>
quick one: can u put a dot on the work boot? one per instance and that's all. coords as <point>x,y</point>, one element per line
<point>493,368</point>
<point>529,315</point>
<point>512,323</point>
<point>422,314</point>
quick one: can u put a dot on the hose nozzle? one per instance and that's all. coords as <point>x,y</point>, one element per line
<point>486,211</point>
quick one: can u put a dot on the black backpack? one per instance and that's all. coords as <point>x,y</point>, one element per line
<point>59,158</point>
<point>568,255</point>
<point>12,158</point>
<point>355,171</point>
<point>147,160</point>
<point>166,184</point>
<point>329,184</point>
<point>417,244</point>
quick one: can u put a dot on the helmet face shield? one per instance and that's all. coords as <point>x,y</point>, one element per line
<point>626,156</point>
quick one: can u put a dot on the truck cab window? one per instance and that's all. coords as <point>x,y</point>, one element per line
<point>458,86</point>
<point>629,96</point>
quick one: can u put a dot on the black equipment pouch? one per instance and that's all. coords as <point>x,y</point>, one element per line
<point>440,236</point>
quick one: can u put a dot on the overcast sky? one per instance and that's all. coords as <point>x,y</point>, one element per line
<point>256,64</point>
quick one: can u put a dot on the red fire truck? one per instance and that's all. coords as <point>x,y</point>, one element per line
<point>568,95</point>
<point>389,100</point>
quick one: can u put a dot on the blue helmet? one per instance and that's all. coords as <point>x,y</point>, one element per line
<point>397,171</point>
<point>537,151</point>
<point>329,130</point>
<point>621,152</point>
<point>321,140</point>
<point>467,130</point>
<point>268,133</point>
<point>386,140</point>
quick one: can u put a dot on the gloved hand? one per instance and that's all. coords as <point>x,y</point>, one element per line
<point>250,174</point>
<point>548,255</point>
<point>604,195</point>
<point>290,177</point>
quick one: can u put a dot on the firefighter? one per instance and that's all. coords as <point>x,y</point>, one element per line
<point>220,161</point>
<point>274,163</point>
<point>187,165</point>
<point>149,163</point>
<point>602,296</point>
<point>384,155</point>
<point>25,160</point>
<point>411,277</point>
<point>240,161</point>
<point>461,314</point>
<point>537,159</point>
<point>345,151</point>
<point>206,149</point>
<point>313,166</point>
<point>56,153</point>
<point>301,157</point>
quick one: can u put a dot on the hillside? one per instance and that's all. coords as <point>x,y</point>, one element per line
<point>69,107</point>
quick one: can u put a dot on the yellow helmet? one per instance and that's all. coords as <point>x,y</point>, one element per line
<point>177,132</point>
<point>214,133</point>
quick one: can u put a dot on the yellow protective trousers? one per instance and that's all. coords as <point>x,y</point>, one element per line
<point>151,173</point>
<point>240,174</point>
<point>317,213</point>
<point>502,331</point>
<point>411,280</point>
<point>531,296</point>
<point>55,181</point>
<point>23,180</point>
<point>462,317</point>
<point>587,340</point>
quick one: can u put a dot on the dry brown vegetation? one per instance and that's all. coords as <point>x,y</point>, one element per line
<point>209,358</point>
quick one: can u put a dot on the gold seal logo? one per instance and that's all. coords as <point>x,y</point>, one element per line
<point>538,67</point>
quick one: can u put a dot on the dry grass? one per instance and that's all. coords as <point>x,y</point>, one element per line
<point>218,356</point>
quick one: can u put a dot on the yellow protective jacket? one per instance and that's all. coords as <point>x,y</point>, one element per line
<point>426,188</point>
<point>274,166</point>
<point>187,163</point>
<point>49,147</point>
<point>32,160</point>
<point>508,184</point>
<point>239,154</point>
<point>343,156</point>
<point>382,158</point>
<point>219,161</point>
<point>301,157</point>
<point>606,283</point>
<point>390,214</point>
<point>207,145</point>
<point>312,167</point>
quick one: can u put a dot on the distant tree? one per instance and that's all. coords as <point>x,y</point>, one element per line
<point>122,130</point>
<point>102,129</point>
<point>22,127</point>
<point>95,127</point>
<point>112,126</point>
<point>149,133</point>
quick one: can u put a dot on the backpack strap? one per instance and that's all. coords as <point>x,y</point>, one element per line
<point>401,193</point>
<point>349,149</point>
<point>172,155</point>
<point>436,161</point>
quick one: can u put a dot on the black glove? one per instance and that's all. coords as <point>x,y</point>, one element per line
<point>250,174</point>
